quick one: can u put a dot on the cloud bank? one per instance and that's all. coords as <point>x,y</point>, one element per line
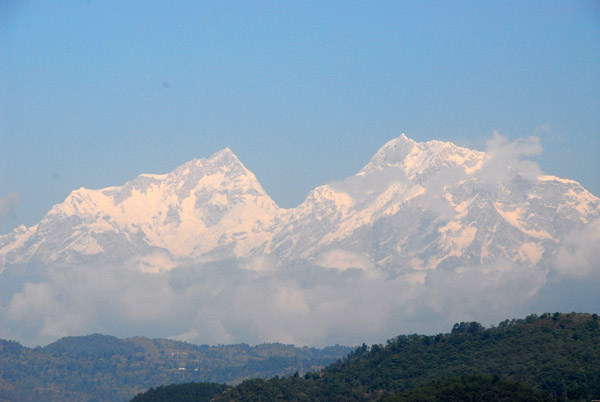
<point>226,302</point>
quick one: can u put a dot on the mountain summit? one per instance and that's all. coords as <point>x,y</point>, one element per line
<point>205,206</point>
<point>414,207</point>
<point>415,158</point>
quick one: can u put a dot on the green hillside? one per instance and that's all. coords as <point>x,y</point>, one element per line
<point>471,388</point>
<point>552,357</point>
<point>192,391</point>
<point>105,368</point>
<point>558,354</point>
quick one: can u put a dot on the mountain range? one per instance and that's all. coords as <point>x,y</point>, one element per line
<point>424,235</point>
<point>413,207</point>
<point>104,368</point>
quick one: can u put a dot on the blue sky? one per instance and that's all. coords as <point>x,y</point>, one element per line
<point>93,93</point>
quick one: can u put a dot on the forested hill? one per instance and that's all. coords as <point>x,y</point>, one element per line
<point>558,354</point>
<point>105,368</point>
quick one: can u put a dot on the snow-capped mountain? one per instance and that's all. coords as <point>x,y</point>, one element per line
<point>211,206</point>
<point>427,205</point>
<point>414,206</point>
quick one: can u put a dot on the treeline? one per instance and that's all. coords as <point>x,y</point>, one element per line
<point>197,392</point>
<point>105,368</point>
<point>552,356</point>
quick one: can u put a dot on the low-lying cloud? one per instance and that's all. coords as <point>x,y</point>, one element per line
<point>225,302</point>
<point>579,252</point>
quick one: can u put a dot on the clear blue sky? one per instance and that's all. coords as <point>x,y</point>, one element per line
<point>93,93</point>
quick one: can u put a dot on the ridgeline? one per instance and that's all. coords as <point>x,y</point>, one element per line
<point>105,368</point>
<point>552,357</point>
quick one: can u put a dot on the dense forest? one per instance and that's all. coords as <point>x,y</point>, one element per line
<point>552,356</point>
<point>105,368</point>
<point>192,391</point>
<point>471,388</point>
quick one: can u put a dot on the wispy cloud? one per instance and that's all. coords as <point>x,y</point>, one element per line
<point>579,253</point>
<point>542,129</point>
<point>506,161</point>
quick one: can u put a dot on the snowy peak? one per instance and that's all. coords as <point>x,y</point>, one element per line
<point>225,157</point>
<point>203,206</point>
<point>222,171</point>
<point>223,161</point>
<point>416,158</point>
<point>415,205</point>
<point>433,204</point>
<point>393,153</point>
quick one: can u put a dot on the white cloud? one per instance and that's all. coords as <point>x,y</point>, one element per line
<point>579,252</point>
<point>544,128</point>
<point>343,260</point>
<point>493,290</point>
<point>291,300</point>
<point>155,262</point>
<point>221,302</point>
<point>259,263</point>
<point>504,160</point>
